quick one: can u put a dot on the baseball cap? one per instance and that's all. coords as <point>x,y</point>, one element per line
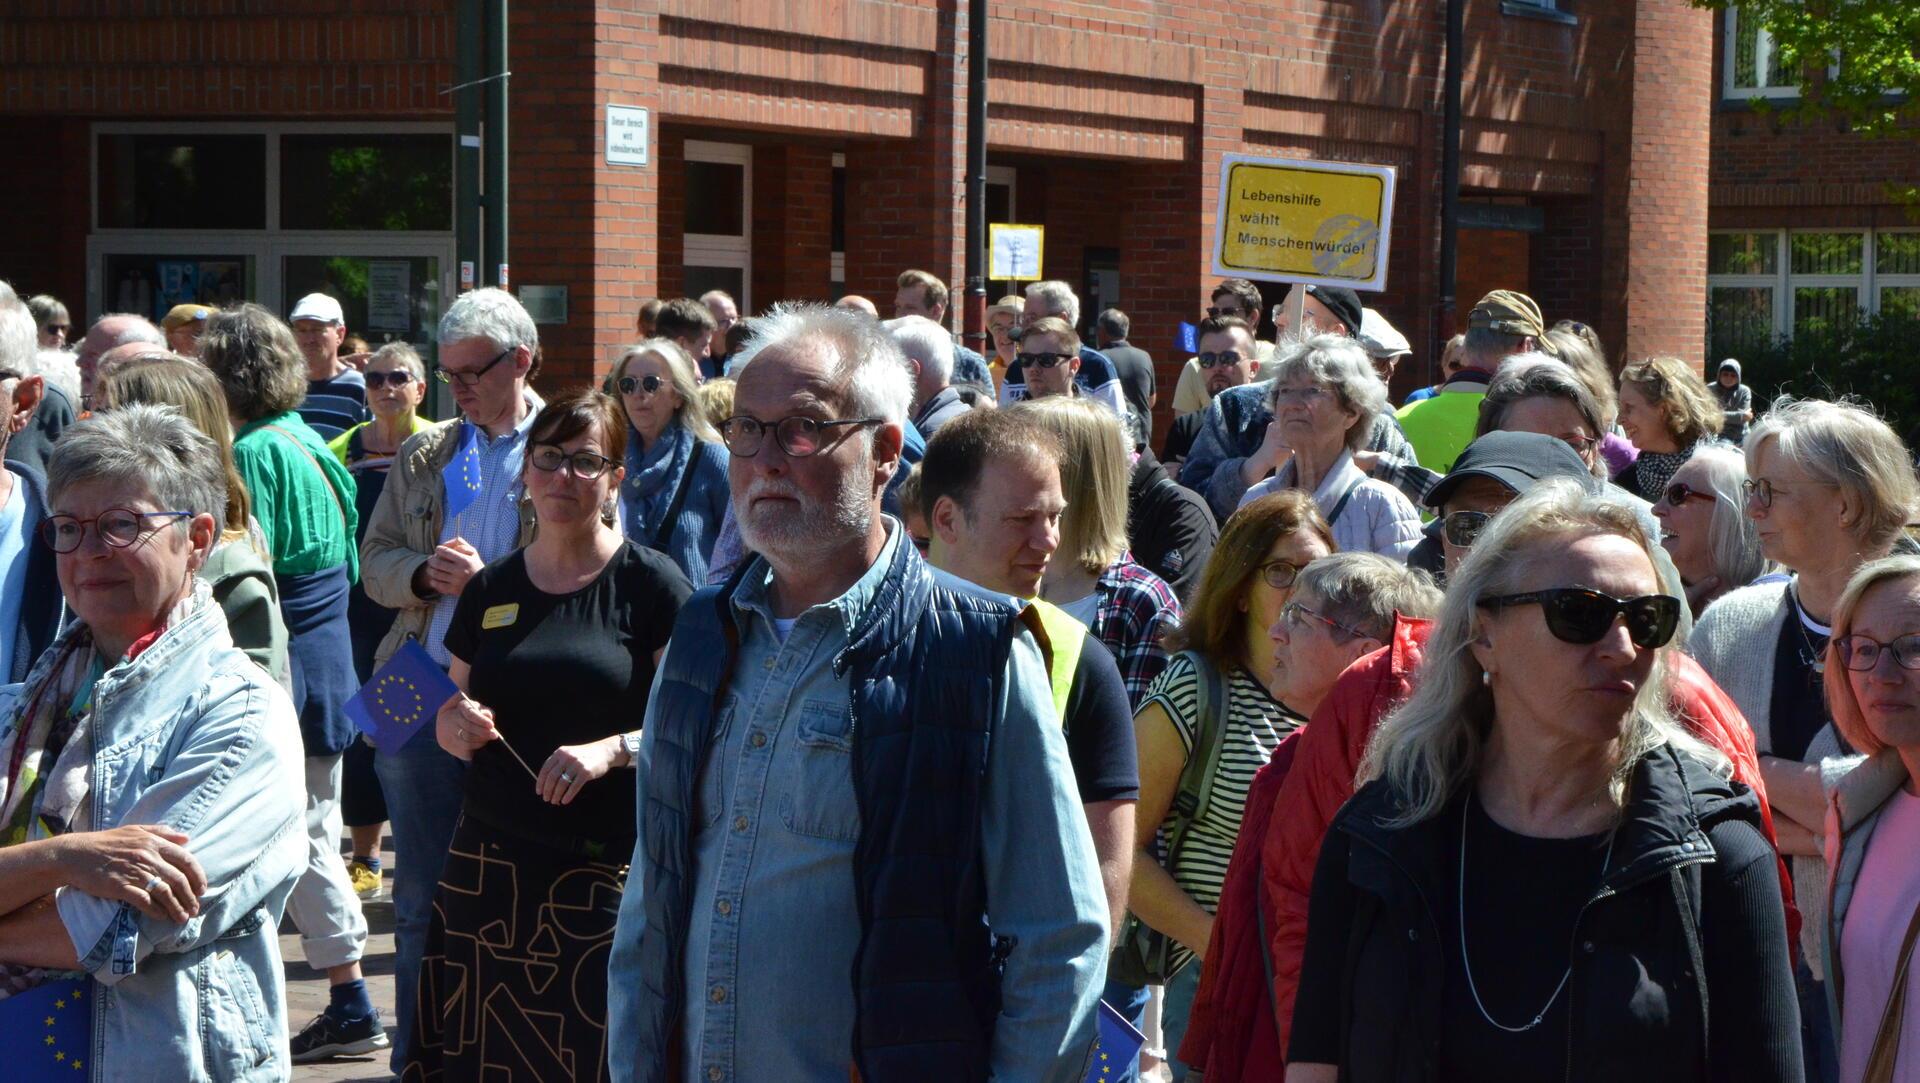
<point>1342,302</point>
<point>1517,460</point>
<point>181,315</point>
<point>1512,313</point>
<point>1379,338</point>
<point>318,306</point>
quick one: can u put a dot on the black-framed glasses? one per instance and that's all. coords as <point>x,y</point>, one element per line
<point>1581,616</point>
<point>396,378</point>
<point>585,465</point>
<point>1043,360</point>
<point>649,383</point>
<point>1462,528</point>
<point>798,436</point>
<point>470,379</point>
<point>1680,492</point>
<point>1758,491</point>
<point>1224,357</point>
<point>1217,311</point>
<point>117,527</point>
<point>1861,653</point>
<point>1279,574</point>
<point>1296,614</point>
<point>60,327</point>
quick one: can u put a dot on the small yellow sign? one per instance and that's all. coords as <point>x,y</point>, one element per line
<point>500,616</point>
<point>1292,220</point>
<point>1015,253</point>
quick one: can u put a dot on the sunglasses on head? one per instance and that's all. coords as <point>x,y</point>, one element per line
<point>1226,358</point>
<point>1043,360</point>
<point>396,378</point>
<point>1581,616</point>
<point>649,383</point>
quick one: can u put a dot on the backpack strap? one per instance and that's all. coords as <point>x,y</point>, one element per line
<point>672,519</point>
<point>1341,504</point>
<point>1190,802</point>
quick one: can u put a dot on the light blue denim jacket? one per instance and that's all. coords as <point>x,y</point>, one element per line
<point>775,923</point>
<point>193,735</point>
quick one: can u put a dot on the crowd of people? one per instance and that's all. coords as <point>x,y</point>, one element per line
<point>834,701</point>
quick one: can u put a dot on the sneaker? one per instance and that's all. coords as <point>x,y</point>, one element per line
<point>365,878</point>
<point>328,1036</point>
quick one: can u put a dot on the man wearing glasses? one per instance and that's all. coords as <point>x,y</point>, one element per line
<point>1233,298</point>
<point>835,741</point>
<point>417,558</point>
<point>30,601</point>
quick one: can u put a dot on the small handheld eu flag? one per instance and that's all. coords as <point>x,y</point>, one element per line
<point>1115,1048</point>
<point>44,1031</point>
<point>462,474</point>
<point>405,693</point>
<point>1189,338</point>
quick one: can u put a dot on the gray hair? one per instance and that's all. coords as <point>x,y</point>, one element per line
<point>19,339</point>
<point>491,314</point>
<point>681,373</point>
<point>145,447</point>
<point>1364,590</point>
<point>1486,348</point>
<point>1845,445</point>
<point>1537,376</point>
<point>59,369</point>
<point>1059,299</point>
<point>1114,323</point>
<point>46,309</point>
<point>138,329</point>
<point>1732,536</point>
<point>924,341</point>
<point>869,368</point>
<point>1430,747</point>
<point>1341,365</point>
<point>406,355</point>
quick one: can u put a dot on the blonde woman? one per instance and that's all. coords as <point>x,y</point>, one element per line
<point>1515,887</point>
<point>1667,411</point>
<point>675,494</point>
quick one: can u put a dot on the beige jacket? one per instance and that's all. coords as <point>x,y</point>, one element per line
<point>405,529</point>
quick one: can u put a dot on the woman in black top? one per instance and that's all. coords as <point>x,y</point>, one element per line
<point>1544,877</point>
<point>554,649</point>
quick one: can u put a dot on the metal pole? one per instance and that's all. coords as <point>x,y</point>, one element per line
<point>976,314</point>
<point>496,142</point>
<point>1450,179</point>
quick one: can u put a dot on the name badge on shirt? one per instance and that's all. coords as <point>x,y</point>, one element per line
<point>500,616</point>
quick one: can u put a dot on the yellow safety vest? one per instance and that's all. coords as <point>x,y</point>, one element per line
<point>1060,637</point>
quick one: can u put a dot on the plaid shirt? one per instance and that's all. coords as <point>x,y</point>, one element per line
<point>1136,608</point>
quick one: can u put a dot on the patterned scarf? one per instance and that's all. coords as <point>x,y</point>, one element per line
<point>652,476</point>
<point>1653,469</point>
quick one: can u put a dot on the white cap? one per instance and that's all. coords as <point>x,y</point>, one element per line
<point>318,306</point>
<point>1379,338</point>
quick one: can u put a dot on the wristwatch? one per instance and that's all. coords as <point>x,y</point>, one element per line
<point>631,742</point>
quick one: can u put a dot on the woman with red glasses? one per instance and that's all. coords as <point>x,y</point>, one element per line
<point>1705,529</point>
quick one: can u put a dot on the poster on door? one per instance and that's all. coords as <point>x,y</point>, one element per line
<point>389,298</point>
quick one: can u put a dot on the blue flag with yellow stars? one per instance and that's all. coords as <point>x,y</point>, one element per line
<point>1115,1048</point>
<point>1189,338</point>
<point>44,1032</point>
<point>403,695</point>
<point>462,475</point>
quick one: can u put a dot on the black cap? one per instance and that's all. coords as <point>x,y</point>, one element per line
<point>1517,460</point>
<point>1342,302</point>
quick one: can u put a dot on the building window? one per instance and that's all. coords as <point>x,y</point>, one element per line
<point>1768,284</point>
<point>181,180</point>
<point>717,222</point>
<point>366,182</point>
<point>1753,65</point>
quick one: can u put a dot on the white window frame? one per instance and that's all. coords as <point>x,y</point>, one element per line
<point>720,249</point>
<point>1762,64</point>
<point>1868,283</point>
<point>1882,282</point>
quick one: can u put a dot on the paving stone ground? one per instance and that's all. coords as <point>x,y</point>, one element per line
<point>307,987</point>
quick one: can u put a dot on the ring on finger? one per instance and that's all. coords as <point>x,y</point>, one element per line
<point>152,884</point>
<point>566,776</point>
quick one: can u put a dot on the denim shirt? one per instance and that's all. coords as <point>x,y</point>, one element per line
<point>193,735</point>
<point>775,925</point>
<point>491,524</point>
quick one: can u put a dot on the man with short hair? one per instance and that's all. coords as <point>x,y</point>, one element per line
<point>416,558</point>
<point>1233,298</point>
<point>833,740</point>
<point>1502,324</point>
<point>1229,356</point>
<point>31,605</point>
<point>319,326</point>
<point>725,313</point>
<point>1050,355</point>
<point>1133,365</point>
<point>991,498</point>
<point>929,351</point>
<point>110,330</point>
<point>691,324</point>
<point>921,293</point>
<point>853,302</point>
<point>1384,343</point>
<point>1094,373</point>
<point>649,311</point>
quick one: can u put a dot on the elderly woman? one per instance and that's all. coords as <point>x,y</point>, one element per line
<point>150,810</point>
<point>1667,411</point>
<point>302,497</point>
<point>1325,398</point>
<point>50,319</point>
<point>1868,938</point>
<point>1212,695</point>
<point>1341,609</point>
<point>1705,529</point>
<point>675,495</point>
<point>547,822</point>
<point>1092,575</point>
<point>1515,888</point>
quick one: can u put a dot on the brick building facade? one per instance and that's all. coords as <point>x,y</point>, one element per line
<point>814,147</point>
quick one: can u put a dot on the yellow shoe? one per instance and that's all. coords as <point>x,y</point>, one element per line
<point>366,880</point>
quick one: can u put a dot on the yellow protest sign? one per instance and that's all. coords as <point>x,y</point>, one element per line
<point>1291,220</point>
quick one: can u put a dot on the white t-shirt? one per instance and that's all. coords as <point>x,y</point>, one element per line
<point>15,542</point>
<point>1083,609</point>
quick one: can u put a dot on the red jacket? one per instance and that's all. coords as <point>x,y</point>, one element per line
<point>1321,779</point>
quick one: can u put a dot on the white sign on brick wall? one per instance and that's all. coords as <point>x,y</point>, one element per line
<point>627,131</point>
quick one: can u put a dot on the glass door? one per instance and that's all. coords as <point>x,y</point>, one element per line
<point>389,291</point>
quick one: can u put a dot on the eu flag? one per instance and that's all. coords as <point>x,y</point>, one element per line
<point>462,474</point>
<point>405,693</point>
<point>44,1032</point>
<point>1189,338</point>
<point>1116,1047</point>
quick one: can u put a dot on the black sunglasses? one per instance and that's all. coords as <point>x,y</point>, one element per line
<point>1044,360</point>
<point>396,378</point>
<point>1680,492</point>
<point>1462,528</point>
<point>649,383</point>
<point>1224,357</point>
<point>1581,616</point>
<point>1215,312</point>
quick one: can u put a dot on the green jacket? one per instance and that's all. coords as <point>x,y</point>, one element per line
<point>302,495</point>
<point>1441,427</point>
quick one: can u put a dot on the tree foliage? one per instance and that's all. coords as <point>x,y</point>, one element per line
<point>1855,59</point>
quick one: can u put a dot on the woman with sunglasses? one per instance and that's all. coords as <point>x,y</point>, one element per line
<point>538,857</point>
<point>1223,659</point>
<point>1705,529</point>
<point>1874,882</point>
<point>1829,488</point>
<point>1515,890</point>
<point>675,495</point>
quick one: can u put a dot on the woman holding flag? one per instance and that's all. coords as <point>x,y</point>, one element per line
<point>581,613</point>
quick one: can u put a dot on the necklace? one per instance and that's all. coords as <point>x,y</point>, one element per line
<point>1466,960</point>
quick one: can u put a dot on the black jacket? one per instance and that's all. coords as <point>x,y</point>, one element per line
<point>1638,1009</point>
<point>1170,529</point>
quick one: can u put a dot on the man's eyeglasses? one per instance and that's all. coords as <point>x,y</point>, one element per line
<point>1043,360</point>
<point>1861,653</point>
<point>471,379</point>
<point>648,383</point>
<point>117,527</point>
<point>585,465</point>
<point>1462,528</point>
<point>1226,358</point>
<point>1279,574</point>
<point>1581,616</point>
<point>1297,614</point>
<point>797,435</point>
<point>1680,492</point>
<point>396,378</point>
<point>1217,311</point>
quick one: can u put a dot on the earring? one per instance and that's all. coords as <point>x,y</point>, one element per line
<point>1486,678</point>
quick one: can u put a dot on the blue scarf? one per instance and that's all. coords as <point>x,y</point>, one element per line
<point>653,473</point>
